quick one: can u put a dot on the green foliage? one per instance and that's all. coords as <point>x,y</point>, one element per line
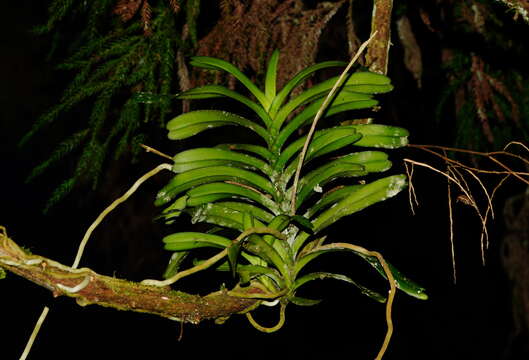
<point>112,60</point>
<point>245,190</point>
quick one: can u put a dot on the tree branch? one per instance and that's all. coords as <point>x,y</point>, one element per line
<point>377,53</point>
<point>88,287</point>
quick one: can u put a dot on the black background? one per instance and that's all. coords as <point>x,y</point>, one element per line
<point>468,320</point>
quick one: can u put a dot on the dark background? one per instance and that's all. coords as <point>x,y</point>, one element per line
<point>471,319</point>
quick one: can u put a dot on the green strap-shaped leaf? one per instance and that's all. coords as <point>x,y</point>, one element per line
<point>271,77</point>
<point>215,91</point>
<point>368,78</point>
<point>204,157</point>
<point>311,245</point>
<point>352,165</point>
<point>344,101</point>
<point>196,177</point>
<point>369,194</point>
<point>300,301</point>
<point>250,272</point>
<point>331,197</point>
<point>303,223</point>
<point>381,136</point>
<point>175,209</point>
<point>315,180</point>
<point>174,263</point>
<point>253,210</point>
<point>279,223</point>
<point>204,194</point>
<point>235,248</point>
<point>323,142</point>
<point>192,240</point>
<point>261,248</point>
<point>220,215</point>
<point>296,80</point>
<point>326,275</point>
<point>233,253</point>
<point>248,148</point>
<point>322,149</point>
<point>217,64</point>
<point>315,92</point>
<point>351,85</point>
<point>402,282</point>
<point>194,122</point>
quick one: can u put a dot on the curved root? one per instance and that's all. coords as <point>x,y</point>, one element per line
<point>272,329</point>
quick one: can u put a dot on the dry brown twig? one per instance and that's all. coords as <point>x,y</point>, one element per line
<point>463,176</point>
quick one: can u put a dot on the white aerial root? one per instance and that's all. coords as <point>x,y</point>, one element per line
<point>76,288</point>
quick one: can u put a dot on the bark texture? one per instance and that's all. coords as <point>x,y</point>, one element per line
<point>378,50</point>
<point>88,287</point>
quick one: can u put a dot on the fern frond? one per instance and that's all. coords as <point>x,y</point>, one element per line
<point>60,192</point>
<point>63,149</point>
<point>112,63</point>
<point>57,10</point>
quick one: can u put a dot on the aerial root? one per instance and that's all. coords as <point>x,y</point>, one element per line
<point>272,329</point>
<point>457,173</point>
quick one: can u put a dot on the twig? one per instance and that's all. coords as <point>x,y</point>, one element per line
<point>451,226</point>
<point>516,143</point>
<point>454,174</point>
<point>428,148</point>
<point>467,193</point>
<point>412,196</point>
<point>454,180</point>
<point>157,152</point>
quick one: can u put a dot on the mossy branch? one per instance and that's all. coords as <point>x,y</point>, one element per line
<point>378,50</point>
<point>88,287</point>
